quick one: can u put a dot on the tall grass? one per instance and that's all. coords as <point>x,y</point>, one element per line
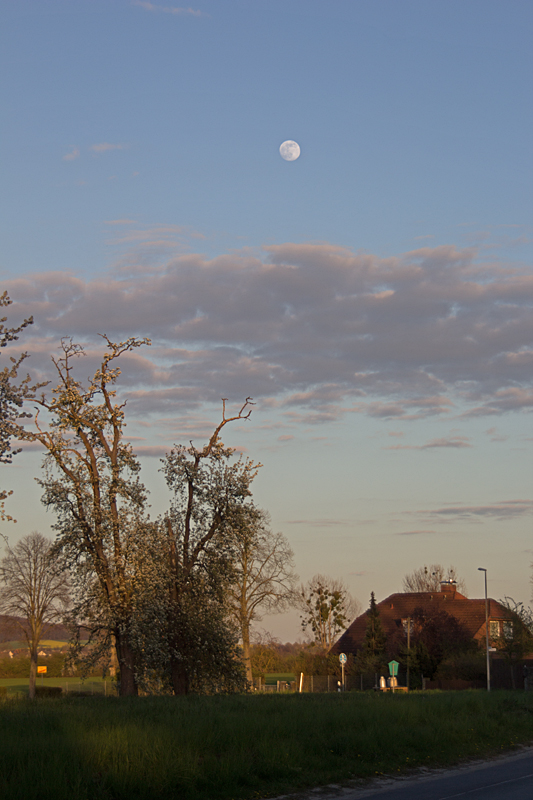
<point>213,748</point>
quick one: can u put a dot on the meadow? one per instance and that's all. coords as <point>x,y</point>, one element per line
<point>248,746</point>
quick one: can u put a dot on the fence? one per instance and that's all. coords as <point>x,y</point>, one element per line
<point>324,683</point>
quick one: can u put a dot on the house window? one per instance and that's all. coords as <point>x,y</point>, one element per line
<point>508,629</point>
<point>494,630</point>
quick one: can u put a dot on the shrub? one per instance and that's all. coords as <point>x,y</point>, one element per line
<point>463,666</point>
<point>48,691</point>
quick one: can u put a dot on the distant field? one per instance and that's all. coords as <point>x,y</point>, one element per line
<point>246,746</point>
<point>22,644</point>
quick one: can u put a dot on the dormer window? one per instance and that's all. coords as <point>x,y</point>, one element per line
<point>508,629</point>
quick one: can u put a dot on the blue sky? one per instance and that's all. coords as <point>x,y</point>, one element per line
<point>374,296</point>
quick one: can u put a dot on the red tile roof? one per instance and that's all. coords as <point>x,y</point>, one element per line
<point>397,607</point>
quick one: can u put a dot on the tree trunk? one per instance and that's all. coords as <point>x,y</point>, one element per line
<point>247,660</point>
<point>179,677</point>
<point>126,663</point>
<point>33,672</point>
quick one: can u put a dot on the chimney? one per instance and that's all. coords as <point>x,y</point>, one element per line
<point>448,586</point>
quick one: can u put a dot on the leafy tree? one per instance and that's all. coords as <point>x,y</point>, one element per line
<point>210,488</point>
<point>189,629</point>
<point>371,655</point>
<point>266,655</point>
<point>33,590</point>
<point>428,579</point>
<point>517,640</point>
<point>435,636</point>
<point>328,609</point>
<point>92,484</point>
<point>264,578</point>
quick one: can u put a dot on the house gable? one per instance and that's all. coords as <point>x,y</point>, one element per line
<point>396,609</point>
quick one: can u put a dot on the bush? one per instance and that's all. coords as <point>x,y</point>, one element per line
<point>20,667</point>
<point>48,691</point>
<point>463,666</point>
<point>3,691</point>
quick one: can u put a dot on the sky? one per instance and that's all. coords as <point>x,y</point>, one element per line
<point>374,296</point>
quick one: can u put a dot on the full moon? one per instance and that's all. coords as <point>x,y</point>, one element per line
<point>289,150</point>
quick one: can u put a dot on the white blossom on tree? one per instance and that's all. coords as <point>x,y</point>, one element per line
<point>210,487</point>
<point>92,484</point>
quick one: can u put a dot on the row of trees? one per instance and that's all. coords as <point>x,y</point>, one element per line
<point>171,595</point>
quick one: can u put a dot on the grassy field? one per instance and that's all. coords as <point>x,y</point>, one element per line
<point>217,748</point>
<point>92,685</point>
<point>22,644</point>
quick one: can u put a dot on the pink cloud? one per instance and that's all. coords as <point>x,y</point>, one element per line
<point>73,155</point>
<point>175,10</point>
<point>312,329</point>
<point>501,511</point>
<point>104,147</point>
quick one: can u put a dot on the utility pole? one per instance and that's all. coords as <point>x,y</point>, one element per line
<point>408,649</point>
<point>482,569</point>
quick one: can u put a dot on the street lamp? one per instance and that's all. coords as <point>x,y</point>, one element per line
<point>482,569</point>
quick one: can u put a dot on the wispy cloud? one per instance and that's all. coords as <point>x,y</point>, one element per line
<point>319,523</point>
<point>495,436</point>
<point>504,510</point>
<point>74,153</point>
<point>168,9</point>
<point>103,147</point>
<point>454,442</point>
<point>412,533</point>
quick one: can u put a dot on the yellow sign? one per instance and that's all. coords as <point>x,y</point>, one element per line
<point>41,670</point>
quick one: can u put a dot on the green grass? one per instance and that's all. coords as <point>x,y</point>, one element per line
<point>217,748</point>
<point>91,685</point>
<point>23,644</point>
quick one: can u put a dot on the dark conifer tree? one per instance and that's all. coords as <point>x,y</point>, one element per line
<point>371,655</point>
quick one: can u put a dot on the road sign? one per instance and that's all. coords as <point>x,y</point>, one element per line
<point>393,668</point>
<point>343,658</point>
<point>41,670</point>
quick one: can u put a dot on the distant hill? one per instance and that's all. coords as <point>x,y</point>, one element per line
<point>10,631</point>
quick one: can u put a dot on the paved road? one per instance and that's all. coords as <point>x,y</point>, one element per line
<point>508,778</point>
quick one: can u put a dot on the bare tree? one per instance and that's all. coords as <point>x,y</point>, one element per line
<point>264,577</point>
<point>33,590</point>
<point>428,579</point>
<point>328,608</point>
<point>92,484</point>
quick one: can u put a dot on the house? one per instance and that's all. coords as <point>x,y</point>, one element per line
<point>396,610</point>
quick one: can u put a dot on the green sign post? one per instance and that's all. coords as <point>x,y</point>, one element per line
<point>393,671</point>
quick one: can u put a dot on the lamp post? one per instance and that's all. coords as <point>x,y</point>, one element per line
<point>482,569</point>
